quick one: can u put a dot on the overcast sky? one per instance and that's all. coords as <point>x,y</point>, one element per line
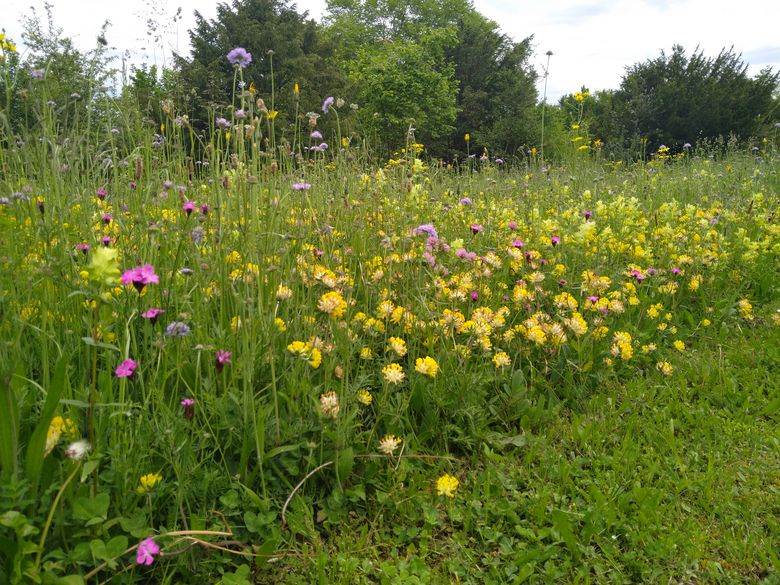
<point>592,40</point>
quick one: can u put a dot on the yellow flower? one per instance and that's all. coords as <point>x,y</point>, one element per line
<point>397,345</point>
<point>501,359</point>
<point>57,427</point>
<point>446,485</point>
<point>665,368</point>
<point>364,397</point>
<point>147,482</point>
<point>235,324</point>
<point>393,373</point>
<point>329,405</point>
<point>427,366</point>
<point>333,304</point>
<point>280,324</point>
<point>388,444</point>
<point>296,89</point>
<point>679,345</point>
<point>272,114</point>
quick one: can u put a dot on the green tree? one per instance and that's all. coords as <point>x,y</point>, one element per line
<point>399,84</point>
<point>274,33</point>
<point>675,99</point>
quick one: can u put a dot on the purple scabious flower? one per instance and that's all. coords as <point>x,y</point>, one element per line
<point>465,201</point>
<point>316,135</point>
<point>301,186</point>
<point>37,73</point>
<point>327,104</point>
<point>222,123</point>
<point>426,228</point>
<point>177,329</point>
<point>239,56</point>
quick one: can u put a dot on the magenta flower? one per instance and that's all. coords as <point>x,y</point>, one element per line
<point>476,228</point>
<point>555,240</point>
<point>126,369</point>
<point>152,315</point>
<point>587,214</point>
<point>147,550</point>
<point>188,207</point>
<point>189,408</point>
<point>83,247</point>
<point>204,209</point>
<point>101,193</point>
<point>512,225</point>
<point>140,276</point>
<point>223,359</point>
<point>106,218</point>
<point>676,271</point>
<point>518,243</point>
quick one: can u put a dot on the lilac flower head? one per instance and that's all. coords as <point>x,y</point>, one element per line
<point>465,201</point>
<point>147,550</point>
<point>301,186</point>
<point>426,228</point>
<point>37,73</point>
<point>327,104</point>
<point>240,114</point>
<point>239,56</point>
<point>222,123</point>
<point>197,234</point>
<point>316,135</point>
<point>177,329</point>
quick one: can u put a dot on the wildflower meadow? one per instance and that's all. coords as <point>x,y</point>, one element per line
<point>243,353</point>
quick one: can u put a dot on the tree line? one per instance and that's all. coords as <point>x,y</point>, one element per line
<point>438,69</point>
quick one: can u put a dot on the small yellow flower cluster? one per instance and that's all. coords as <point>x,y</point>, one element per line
<point>333,304</point>
<point>329,405</point>
<point>388,444</point>
<point>148,482</point>
<point>57,428</point>
<point>307,352</point>
<point>393,374</point>
<point>446,485</point>
<point>426,366</point>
